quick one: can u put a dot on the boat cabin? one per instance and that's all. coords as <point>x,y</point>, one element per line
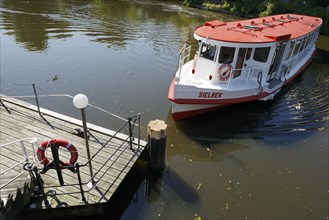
<point>260,57</point>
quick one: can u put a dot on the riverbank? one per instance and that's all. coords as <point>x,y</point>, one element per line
<point>260,8</point>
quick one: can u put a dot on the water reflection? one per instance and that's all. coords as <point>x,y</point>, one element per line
<point>31,23</point>
<point>34,23</point>
<point>122,54</point>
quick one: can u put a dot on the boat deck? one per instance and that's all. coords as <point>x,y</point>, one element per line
<point>243,82</point>
<point>112,154</point>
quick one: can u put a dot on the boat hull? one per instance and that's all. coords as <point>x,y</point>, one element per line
<point>183,111</point>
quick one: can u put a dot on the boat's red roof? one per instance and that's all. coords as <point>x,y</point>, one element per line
<point>260,30</point>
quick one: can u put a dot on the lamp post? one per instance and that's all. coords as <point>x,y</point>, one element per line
<point>80,101</point>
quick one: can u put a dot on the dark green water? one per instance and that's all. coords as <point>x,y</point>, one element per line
<point>261,160</point>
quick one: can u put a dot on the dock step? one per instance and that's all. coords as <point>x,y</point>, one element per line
<point>274,83</point>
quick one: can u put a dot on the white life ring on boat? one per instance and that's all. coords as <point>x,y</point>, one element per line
<point>63,143</point>
<point>224,72</point>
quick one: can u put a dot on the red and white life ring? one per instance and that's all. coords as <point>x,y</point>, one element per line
<point>63,143</point>
<point>224,72</point>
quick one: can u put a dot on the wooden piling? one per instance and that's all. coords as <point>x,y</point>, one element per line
<point>157,137</point>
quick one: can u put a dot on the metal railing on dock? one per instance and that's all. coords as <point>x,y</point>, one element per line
<point>86,185</point>
<point>113,152</point>
<point>38,99</point>
<point>28,158</point>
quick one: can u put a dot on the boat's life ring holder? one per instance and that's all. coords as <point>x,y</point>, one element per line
<point>57,163</point>
<point>224,72</point>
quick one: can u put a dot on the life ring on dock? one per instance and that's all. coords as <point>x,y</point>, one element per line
<point>224,72</point>
<point>63,143</point>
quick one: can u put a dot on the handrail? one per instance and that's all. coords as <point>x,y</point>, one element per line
<point>26,160</point>
<point>70,97</point>
<point>104,167</point>
<point>184,57</point>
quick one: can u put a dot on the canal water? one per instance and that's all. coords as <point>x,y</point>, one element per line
<point>260,160</point>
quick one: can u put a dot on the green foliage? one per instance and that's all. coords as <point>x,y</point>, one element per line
<point>254,8</point>
<point>212,6</point>
<point>191,2</point>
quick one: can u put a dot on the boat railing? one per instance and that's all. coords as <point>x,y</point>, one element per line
<point>184,57</point>
<point>14,170</point>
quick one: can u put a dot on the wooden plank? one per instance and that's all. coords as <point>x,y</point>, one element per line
<point>25,122</point>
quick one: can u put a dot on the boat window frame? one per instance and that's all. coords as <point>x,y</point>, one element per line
<point>302,47</point>
<point>308,40</point>
<point>207,54</point>
<point>248,53</point>
<point>296,48</point>
<point>291,49</point>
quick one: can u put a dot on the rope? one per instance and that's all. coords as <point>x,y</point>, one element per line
<point>54,78</point>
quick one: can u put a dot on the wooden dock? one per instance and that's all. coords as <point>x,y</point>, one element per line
<point>113,154</point>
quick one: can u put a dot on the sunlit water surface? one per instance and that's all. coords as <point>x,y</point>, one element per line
<point>260,160</point>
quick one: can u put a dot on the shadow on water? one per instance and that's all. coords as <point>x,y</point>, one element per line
<point>142,188</point>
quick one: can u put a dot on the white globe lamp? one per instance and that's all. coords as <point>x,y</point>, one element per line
<point>80,101</point>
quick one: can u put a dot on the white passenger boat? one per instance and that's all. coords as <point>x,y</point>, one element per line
<point>241,61</point>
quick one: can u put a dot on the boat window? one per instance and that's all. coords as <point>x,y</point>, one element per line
<point>226,55</point>
<point>248,53</point>
<point>261,54</point>
<point>296,49</point>
<point>208,51</point>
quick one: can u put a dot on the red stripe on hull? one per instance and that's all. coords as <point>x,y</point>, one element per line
<point>220,101</point>
<point>178,116</point>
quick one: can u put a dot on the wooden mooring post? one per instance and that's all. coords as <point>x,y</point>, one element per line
<point>157,138</point>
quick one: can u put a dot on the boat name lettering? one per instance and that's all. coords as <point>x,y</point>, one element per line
<point>210,94</point>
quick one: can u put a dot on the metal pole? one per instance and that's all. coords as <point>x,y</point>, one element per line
<point>54,151</point>
<point>80,183</point>
<point>37,101</point>
<point>36,98</point>
<point>139,129</point>
<point>130,134</point>
<point>83,114</point>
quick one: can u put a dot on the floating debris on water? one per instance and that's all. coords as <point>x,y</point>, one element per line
<point>199,186</point>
